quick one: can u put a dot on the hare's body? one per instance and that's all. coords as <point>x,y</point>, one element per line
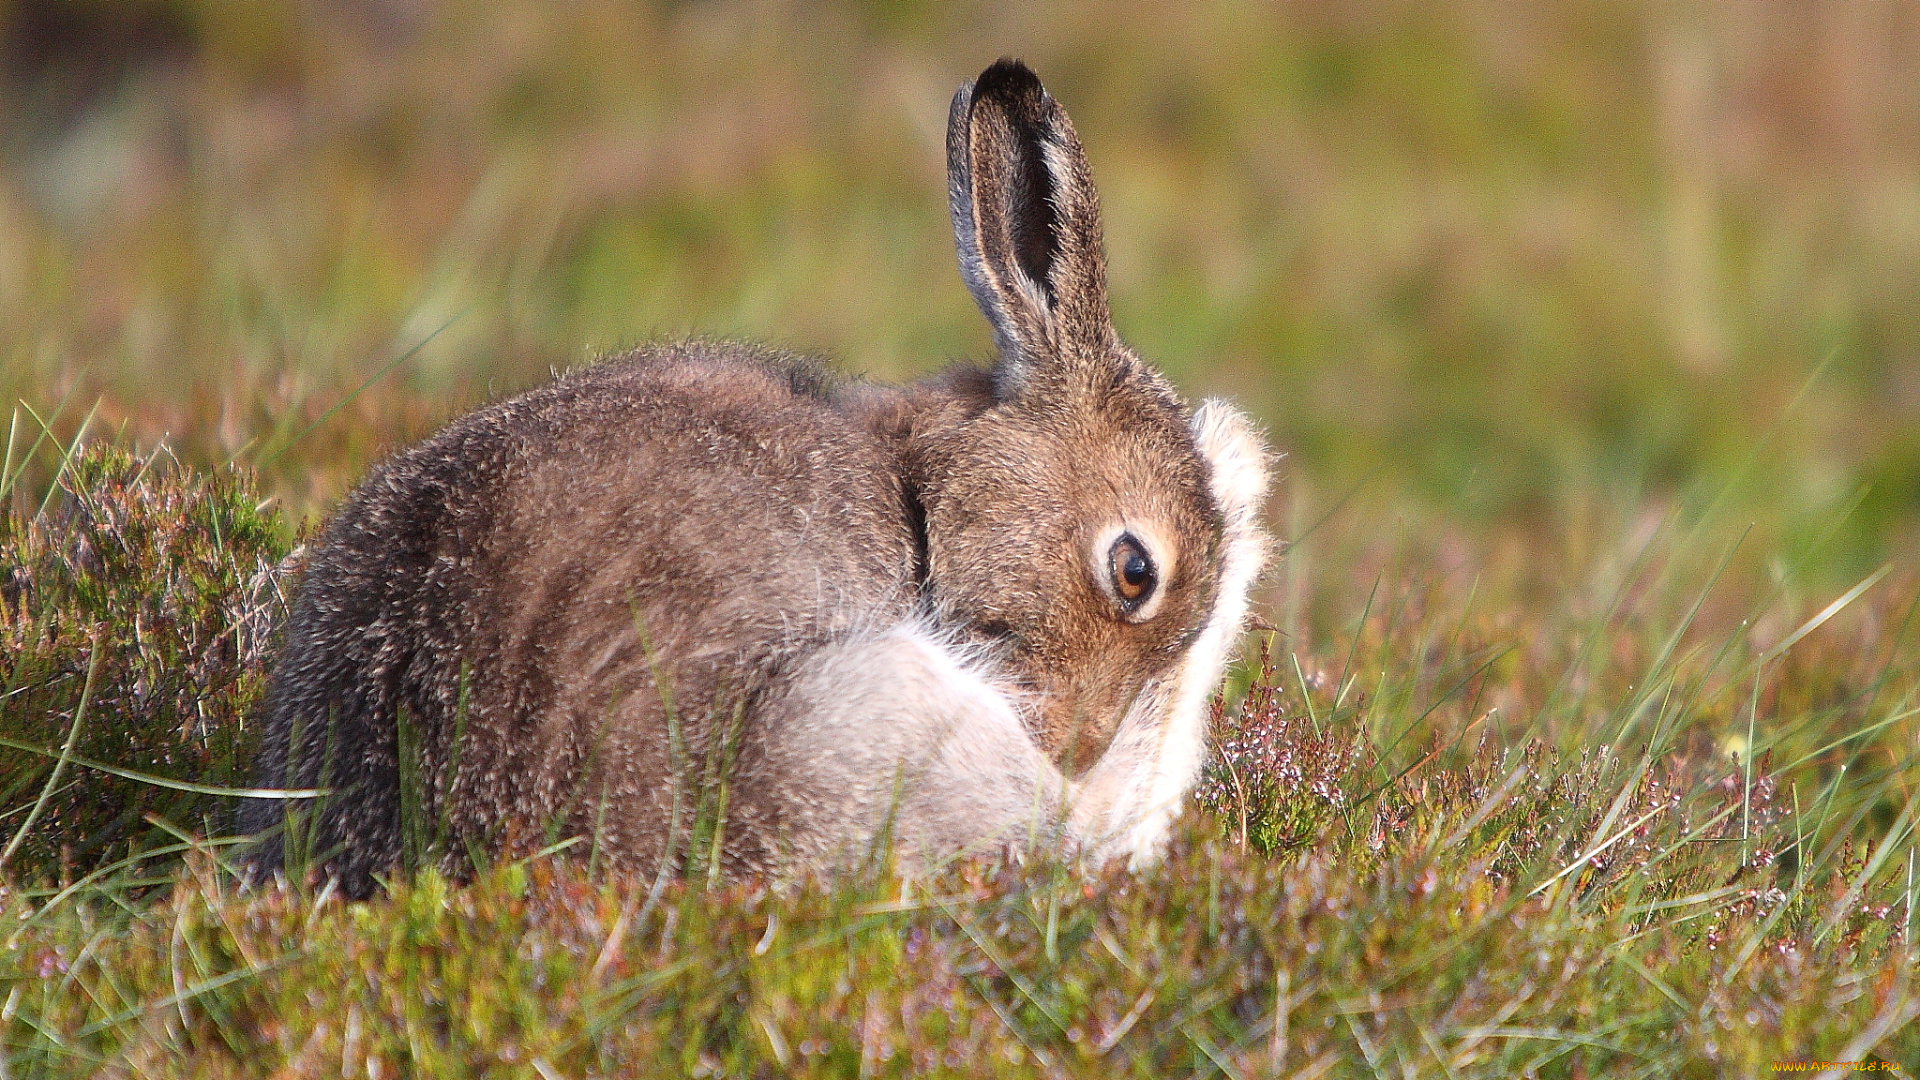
<point>822,613</point>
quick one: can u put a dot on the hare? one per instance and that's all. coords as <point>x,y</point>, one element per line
<point>979,609</point>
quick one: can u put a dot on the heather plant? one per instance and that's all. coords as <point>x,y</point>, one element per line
<point>137,605</point>
<point>1276,779</point>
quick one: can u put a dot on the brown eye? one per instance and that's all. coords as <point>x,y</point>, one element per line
<point>1133,574</point>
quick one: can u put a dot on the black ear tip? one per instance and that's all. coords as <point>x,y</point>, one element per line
<point>1007,77</point>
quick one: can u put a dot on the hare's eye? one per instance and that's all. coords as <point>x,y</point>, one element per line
<point>1133,573</point>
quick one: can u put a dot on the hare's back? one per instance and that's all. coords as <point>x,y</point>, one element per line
<point>714,498</point>
<point>719,501</point>
<point>527,574</point>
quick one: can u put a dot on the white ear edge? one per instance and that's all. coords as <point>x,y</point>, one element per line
<point>1238,457</point>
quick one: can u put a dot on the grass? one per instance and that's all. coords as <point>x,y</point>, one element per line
<point>1636,840</point>
<point>1584,741</point>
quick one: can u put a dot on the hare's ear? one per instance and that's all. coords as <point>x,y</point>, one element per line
<point>1027,224</point>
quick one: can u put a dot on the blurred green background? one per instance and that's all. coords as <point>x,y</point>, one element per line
<point>1520,268</point>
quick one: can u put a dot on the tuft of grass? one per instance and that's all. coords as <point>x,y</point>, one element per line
<point>136,611</point>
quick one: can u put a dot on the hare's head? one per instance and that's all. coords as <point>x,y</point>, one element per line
<point>1083,514</point>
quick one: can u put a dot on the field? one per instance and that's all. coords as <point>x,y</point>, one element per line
<point>1582,741</point>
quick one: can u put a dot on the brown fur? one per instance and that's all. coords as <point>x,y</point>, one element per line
<point>556,607</point>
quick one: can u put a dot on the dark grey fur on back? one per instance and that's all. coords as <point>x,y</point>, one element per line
<point>503,575</point>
